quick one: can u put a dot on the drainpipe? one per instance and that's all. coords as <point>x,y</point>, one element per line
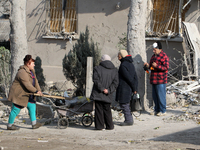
<point>180,17</point>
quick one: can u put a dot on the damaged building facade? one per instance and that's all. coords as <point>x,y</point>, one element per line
<point>53,27</point>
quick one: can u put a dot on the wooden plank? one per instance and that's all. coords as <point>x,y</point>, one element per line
<point>51,96</point>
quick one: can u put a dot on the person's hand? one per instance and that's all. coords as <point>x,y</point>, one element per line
<point>154,64</point>
<point>146,64</point>
<point>105,91</point>
<point>40,93</point>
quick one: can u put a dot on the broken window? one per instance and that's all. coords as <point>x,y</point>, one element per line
<point>163,17</point>
<point>61,17</point>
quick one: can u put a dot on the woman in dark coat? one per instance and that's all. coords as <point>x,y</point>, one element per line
<point>128,83</point>
<point>105,78</point>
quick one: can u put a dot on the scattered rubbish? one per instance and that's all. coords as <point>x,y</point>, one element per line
<point>156,128</point>
<point>42,140</point>
<point>65,94</point>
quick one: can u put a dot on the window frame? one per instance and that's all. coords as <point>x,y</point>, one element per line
<point>61,34</point>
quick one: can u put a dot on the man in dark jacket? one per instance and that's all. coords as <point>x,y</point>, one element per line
<point>128,84</point>
<point>105,78</point>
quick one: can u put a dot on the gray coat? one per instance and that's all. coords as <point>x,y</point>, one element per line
<point>105,76</point>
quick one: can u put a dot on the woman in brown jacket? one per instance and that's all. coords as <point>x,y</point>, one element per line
<point>25,82</point>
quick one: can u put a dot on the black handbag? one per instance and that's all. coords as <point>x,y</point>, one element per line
<point>135,103</point>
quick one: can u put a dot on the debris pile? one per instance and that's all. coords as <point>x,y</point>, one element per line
<point>4,110</point>
<point>195,116</point>
<point>186,92</point>
<point>187,95</point>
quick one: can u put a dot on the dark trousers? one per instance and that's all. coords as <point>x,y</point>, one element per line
<point>127,112</point>
<point>103,116</point>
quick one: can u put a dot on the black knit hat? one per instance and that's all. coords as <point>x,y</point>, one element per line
<point>157,44</point>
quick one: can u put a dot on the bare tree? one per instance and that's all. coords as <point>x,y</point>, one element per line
<point>19,47</point>
<point>136,41</point>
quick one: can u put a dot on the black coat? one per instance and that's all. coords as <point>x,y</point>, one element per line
<point>128,81</point>
<point>105,76</point>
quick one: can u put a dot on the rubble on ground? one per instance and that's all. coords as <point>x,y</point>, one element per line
<point>187,95</point>
<point>182,94</point>
<point>186,92</point>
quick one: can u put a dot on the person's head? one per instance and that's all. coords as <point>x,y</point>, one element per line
<point>157,48</point>
<point>122,54</point>
<point>105,57</point>
<point>29,62</point>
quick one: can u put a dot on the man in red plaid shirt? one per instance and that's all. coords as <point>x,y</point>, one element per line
<point>159,65</point>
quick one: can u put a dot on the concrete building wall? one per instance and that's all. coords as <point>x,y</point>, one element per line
<point>106,24</point>
<point>104,21</point>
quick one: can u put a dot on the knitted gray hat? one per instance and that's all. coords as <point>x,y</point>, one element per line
<point>105,57</point>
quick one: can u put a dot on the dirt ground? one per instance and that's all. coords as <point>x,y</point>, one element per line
<point>148,133</point>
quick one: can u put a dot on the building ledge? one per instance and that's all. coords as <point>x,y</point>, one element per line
<point>175,39</point>
<point>71,37</point>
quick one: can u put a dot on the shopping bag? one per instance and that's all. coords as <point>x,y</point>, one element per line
<point>135,103</point>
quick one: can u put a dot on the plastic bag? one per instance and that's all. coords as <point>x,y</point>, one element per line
<point>135,103</point>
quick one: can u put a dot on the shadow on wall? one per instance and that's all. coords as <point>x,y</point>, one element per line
<point>142,90</point>
<point>39,29</point>
<point>103,6</point>
<point>190,136</point>
<point>39,73</point>
<point>149,51</point>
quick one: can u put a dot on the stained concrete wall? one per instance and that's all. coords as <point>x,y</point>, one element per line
<point>104,21</point>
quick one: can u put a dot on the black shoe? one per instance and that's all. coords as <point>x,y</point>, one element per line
<point>37,125</point>
<point>99,129</point>
<point>126,124</point>
<point>13,127</point>
<point>109,128</point>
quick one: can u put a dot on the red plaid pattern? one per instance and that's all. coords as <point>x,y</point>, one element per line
<point>159,74</point>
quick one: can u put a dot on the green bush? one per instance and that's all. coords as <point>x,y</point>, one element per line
<point>122,44</point>
<point>39,73</point>
<point>5,71</point>
<point>75,63</point>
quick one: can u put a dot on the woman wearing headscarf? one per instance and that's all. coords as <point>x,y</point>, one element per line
<point>128,84</point>
<point>105,78</point>
<point>25,82</point>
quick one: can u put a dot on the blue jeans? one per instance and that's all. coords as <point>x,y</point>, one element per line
<point>159,97</point>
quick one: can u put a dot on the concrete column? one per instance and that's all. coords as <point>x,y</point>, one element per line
<point>89,83</point>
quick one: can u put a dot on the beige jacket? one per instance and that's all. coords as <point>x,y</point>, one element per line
<point>23,85</point>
